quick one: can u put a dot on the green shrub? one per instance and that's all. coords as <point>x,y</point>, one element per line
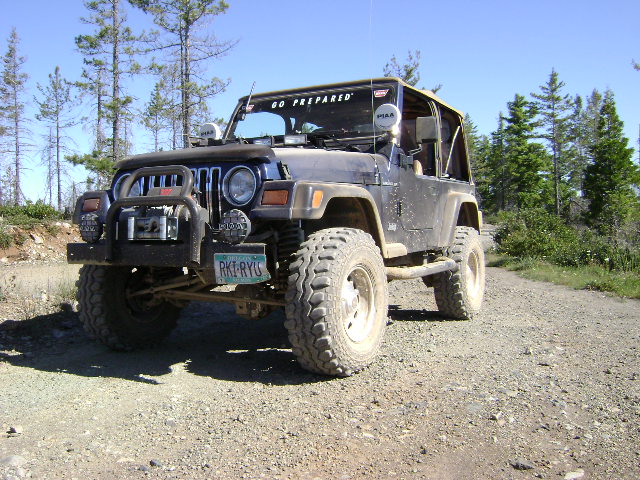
<point>536,234</point>
<point>19,238</point>
<point>38,211</point>
<point>52,229</point>
<point>6,239</point>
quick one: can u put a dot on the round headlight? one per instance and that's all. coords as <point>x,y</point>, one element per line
<point>239,185</point>
<point>135,188</point>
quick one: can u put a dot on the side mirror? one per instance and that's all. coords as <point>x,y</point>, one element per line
<point>426,130</point>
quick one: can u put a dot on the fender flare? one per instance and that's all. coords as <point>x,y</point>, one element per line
<point>456,202</point>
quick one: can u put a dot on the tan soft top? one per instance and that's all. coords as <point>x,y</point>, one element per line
<point>426,93</point>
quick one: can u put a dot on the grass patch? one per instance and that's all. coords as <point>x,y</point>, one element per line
<point>6,239</point>
<point>590,277</point>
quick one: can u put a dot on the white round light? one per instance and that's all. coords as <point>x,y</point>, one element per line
<point>240,185</point>
<point>386,117</point>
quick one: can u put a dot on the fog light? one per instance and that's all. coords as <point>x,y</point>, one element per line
<point>235,226</point>
<point>90,228</point>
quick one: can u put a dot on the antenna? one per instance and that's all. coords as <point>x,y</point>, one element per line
<point>250,95</point>
<point>242,114</point>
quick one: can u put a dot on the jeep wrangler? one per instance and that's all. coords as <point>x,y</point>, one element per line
<point>312,199</point>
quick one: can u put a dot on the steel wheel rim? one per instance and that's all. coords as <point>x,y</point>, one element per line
<point>473,274</point>
<point>358,305</point>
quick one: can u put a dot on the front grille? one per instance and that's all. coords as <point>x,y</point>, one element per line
<point>206,182</point>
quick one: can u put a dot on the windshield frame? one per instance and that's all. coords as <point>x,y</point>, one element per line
<point>314,92</point>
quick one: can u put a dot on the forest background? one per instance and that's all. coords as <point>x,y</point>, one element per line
<point>546,88</point>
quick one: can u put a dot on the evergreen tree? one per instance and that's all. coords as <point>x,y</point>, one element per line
<point>612,179</point>
<point>155,115</point>
<point>111,49</point>
<point>554,108</point>
<point>498,174</point>
<point>579,145</point>
<point>55,109</point>
<point>93,85</point>
<point>478,149</point>
<point>408,71</point>
<point>183,23</point>
<point>12,90</point>
<point>527,162</point>
<point>590,120</point>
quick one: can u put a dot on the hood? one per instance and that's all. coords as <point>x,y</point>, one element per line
<point>231,152</point>
<point>328,166</point>
<point>303,163</point>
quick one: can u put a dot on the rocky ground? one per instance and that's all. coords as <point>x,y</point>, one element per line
<point>545,383</point>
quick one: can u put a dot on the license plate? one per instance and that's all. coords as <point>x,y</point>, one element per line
<point>240,268</point>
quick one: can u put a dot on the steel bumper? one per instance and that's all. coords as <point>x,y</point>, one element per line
<point>154,254</point>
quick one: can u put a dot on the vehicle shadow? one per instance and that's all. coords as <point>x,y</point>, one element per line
<point>397,314</point>
<point>210,340</point>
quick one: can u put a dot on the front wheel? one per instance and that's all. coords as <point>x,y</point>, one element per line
<point>459,293</point>
<point>337,302</point>
<point>113,311</point>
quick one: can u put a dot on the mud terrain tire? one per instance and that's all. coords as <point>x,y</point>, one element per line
<point>459,294</point>
<point>337,302</point>
<point>109,316</point>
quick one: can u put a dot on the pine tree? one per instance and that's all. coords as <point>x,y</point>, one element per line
<point>93,85</point>
<point>155,115</point>
<point>590,121</point>
<point>554,108</point>
<point>527,162</point>
<point>12,90</point>
<point>183,23</point>
<point>576,136</point>
<point>55,109</point>
<point>111,49</point>
<point>499,176</point>
<point>612,179</point>
<point>408,71</point>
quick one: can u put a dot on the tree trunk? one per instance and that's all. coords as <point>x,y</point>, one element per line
<point>186,87</point>
<point>16,125</point>
<point>58,169</point>
<point>115,70</point>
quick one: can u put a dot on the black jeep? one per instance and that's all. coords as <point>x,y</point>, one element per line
<point>312,200</point>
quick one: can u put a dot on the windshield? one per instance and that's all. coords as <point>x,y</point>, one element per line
<point>339,113</point>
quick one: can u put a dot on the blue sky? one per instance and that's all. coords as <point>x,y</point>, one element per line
<point>482,52</point>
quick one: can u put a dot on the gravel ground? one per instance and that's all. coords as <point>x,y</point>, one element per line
<point>545,383</point>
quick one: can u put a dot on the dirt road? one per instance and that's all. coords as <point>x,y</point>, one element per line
<point>544,384</point>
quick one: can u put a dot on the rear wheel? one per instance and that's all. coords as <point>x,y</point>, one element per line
<point>337,302</point>
<point>112,311</point>
<point>459,294</point>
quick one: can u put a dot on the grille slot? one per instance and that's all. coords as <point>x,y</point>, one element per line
<point>206,181</point>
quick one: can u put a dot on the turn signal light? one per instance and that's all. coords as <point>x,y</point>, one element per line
<point>90,205</point>
<point>275,197</point>
<point>317,198</point>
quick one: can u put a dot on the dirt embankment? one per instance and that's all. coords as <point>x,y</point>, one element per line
<point>545,383</point>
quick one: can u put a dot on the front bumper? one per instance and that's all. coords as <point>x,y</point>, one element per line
<point>154,254</point>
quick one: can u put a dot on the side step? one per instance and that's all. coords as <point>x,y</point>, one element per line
<point>406,273</point>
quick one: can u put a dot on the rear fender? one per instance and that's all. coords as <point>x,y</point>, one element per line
<point>461,209</point>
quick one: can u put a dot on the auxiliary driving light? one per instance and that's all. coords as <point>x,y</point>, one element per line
<point>90,228</point>
<point>234,226</point>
